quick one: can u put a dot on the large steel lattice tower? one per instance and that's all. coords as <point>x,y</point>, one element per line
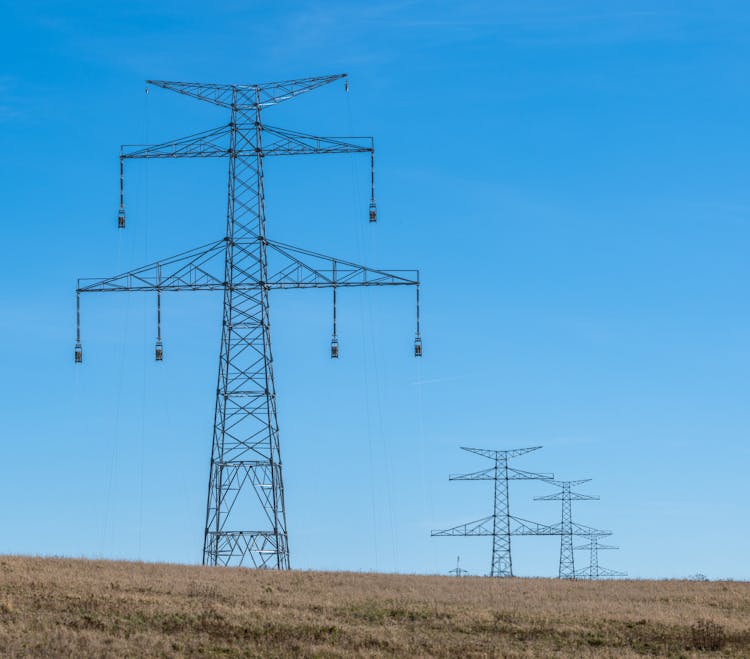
<point>245,513</point>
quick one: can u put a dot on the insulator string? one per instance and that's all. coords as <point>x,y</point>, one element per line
<point>78,318</point>
<point>122,182</point>
<point>373,212</point>
<point>372,171</point>
<point>334,338</point>
<point>121,212</point>
<point>334,311</point>
<point>78,351</point>
<point>417,310</point>
<point>159,351</point>
<point>158,315</point>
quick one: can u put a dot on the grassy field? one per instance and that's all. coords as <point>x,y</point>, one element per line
<point>77,608</point>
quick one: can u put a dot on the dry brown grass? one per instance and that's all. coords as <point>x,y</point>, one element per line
<point>78,608</point>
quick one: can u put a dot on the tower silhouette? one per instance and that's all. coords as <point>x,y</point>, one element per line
<point>245,522</point>
<point>501,524</point>
<point>567,527</point>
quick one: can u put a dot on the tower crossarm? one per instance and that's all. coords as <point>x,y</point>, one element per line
<point>520,526</point>
<point>520,475</point>
<point>194,270</point>
<point>294,267</point>
<point>490,474</point>
<point>213,143</point>
<point>483,475</point>
<point>565,493</point>
<point>494,455</point>
<point>598,546</point>
<point>478,527</point>
<point>594,534</point>
<point>597,572</point>
<point>285,142</point>
<point>247,96</point>
<point>563,484</point>
<point>583,531</point>
<point>606,572</point>
<point>572,496</point>
<point>201,269</point>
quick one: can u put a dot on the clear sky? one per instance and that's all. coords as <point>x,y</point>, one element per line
<point>571,179</point>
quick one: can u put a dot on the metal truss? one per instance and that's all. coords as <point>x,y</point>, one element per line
<point>501,525</point>
<point>247,96</point>
<point>241,528</point>
<point>458,571</point>
<point>567,528</point>
<point>593,570</point>
<point>202,269</point>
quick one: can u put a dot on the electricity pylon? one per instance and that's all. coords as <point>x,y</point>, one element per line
<point>458,571</point>
<point>501,524</point>
<point>567,528</point>
<point>593,570</point>
<point>244,264</point>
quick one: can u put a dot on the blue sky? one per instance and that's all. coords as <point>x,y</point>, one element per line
<point>571,179</point>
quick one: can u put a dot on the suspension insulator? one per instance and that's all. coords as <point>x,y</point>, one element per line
<point>121,219</point>
<point>334,348</point>
<point>159,351</point>
<point>78,353</point>
<point>418,346</point>
<point>373,212</point>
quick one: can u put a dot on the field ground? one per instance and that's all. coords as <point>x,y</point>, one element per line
<point>78,608</point>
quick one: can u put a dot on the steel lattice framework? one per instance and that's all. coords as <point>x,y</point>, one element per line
<point>593,570</point>
<point>458,571</point>
<point>245,265</point>
<point>501,525</point>
<point>567,528</point>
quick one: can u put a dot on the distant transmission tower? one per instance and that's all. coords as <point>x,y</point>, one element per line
<point>458,571</point>
<point>501,524</point>
<point>245,265</point>
<point>568,528</point>
<point>593,570</point>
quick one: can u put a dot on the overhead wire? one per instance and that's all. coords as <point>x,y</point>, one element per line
<point>428,500</point>
<point>119,358</point>
<point>146,383</point>
<point>361,244</point>
<point>368,249</point>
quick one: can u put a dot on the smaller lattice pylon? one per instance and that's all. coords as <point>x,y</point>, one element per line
<point>499,524</point>
<point>458,571</point>
<point>567,527</point>
<point>593,570</point>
